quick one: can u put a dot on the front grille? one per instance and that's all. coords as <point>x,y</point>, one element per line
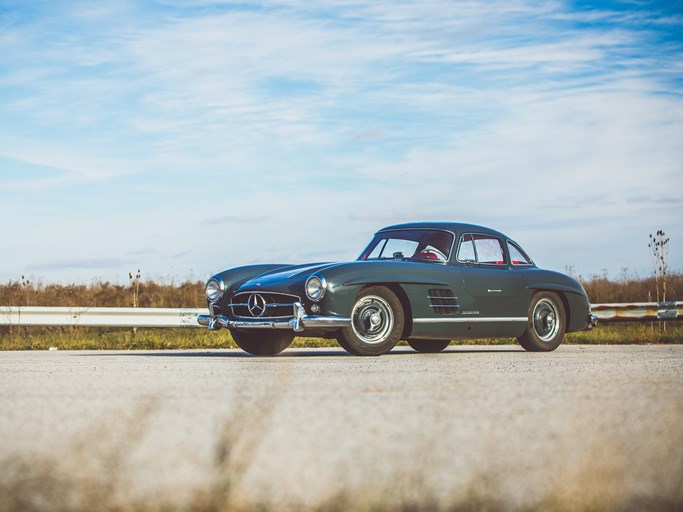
<point>442,301</point>
<point>263,305</point>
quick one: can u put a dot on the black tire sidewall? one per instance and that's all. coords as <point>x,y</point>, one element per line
<point>349,340</point>
<point>266,343</point>
<point>429,346</point>
<point>530,340</point>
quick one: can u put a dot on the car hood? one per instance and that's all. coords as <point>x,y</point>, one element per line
<point>291,279</point>
<point>283,279</point>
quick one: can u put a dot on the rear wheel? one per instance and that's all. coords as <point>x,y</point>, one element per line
<point>546,325</point>
<point>376,323</point>
<point>265,343</point>
<point>429,346</point>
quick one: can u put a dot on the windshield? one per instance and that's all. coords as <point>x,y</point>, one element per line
<point>428,245</point>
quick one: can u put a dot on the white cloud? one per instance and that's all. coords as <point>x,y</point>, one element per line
<point>533,117</point>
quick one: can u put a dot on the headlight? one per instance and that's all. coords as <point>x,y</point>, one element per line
<point>315,288</point>
<point>214,289</point>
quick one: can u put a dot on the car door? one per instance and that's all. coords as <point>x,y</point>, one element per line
<point>494,285</point>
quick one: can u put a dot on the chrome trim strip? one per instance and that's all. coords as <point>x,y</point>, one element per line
<point>444,306</point>
<point>473,319</point>
<point>271,305</point>
<point>264,317</point>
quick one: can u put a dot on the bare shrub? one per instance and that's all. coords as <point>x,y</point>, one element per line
<point>659,250</point>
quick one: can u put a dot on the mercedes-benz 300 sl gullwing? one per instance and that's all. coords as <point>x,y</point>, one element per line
<point>426,283</point>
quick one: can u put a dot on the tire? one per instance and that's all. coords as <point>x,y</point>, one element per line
<point>264,343</point>
<point>547,323</point>
<point>377,321</point>
<point>429,346</point>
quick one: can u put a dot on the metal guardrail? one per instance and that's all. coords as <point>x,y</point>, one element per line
<point>32,316</point>
<point>28,316</point>
<point>638,311</point>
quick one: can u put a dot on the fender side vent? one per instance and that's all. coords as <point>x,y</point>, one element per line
<point>442,301</point>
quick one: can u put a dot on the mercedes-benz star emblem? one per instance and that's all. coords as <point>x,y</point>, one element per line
<point>256,304</point>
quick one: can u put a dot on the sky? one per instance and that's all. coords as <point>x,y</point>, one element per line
<point>185,137</point>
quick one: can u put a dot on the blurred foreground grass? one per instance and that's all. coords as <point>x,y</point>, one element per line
<point>197,338</point>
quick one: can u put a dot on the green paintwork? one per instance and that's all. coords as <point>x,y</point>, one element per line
<point>485,294</point>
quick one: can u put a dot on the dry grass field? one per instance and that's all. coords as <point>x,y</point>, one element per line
<point>190,294</point>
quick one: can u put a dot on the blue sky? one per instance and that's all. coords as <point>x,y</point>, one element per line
<point>184,137</point>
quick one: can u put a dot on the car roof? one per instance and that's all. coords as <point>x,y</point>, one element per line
<point>455,227</point>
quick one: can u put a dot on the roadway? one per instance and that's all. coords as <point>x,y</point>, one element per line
<point>584,425</point>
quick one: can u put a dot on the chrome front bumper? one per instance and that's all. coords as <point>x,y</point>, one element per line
<point>592,322</point>
<point>300,322</point>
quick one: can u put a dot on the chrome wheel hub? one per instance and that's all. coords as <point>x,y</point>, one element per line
<point>372,319</point>
<point>545,320</point>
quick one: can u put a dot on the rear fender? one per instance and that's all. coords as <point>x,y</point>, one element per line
<point>576,305</point>
<point>554,287</point>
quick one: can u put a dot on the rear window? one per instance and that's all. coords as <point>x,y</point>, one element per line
<point>517,256</point>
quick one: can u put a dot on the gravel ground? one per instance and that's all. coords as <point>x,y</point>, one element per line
<point>582,427</point>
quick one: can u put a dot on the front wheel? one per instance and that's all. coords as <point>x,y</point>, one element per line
<point>429,346</point>
<point>546,325</point>
<point>264,343</point>
<point>376,323</point>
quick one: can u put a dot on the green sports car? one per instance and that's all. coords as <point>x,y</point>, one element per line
<point>426,283</point>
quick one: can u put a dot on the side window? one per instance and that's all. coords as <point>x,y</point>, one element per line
<point>484,249</point>
<point>517,256</point>
<point>466,249</point>
<point>489,250</point>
